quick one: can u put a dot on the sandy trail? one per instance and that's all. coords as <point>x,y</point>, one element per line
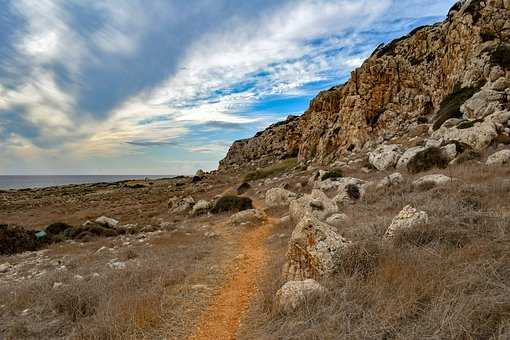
<point>222,318</point>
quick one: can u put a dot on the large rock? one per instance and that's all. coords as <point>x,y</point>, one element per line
<point>315,249</point>
<point>385,156</point>
<point>107,221</point>
<point>179,206</point>
<point>479,136</point>
<point>248,217</point>
<point>317,204</point>
<point>499,158</point>
<point>408,218</point>
<point>293,293</point>
<point>279,197</point>
<point>337,220</point>
<point>430,181</point>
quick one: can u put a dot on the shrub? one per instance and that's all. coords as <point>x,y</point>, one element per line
<point>15,239</point>
<point>333,174</point>
<point>57,228</point>
<point>353,191</point>
<point>232,203</point>
<point>272,170</point>
<point>360,259</point>
<point>450,106</point>
<point>427,159</point>
<point>501,56</point>
<point>243,188</point>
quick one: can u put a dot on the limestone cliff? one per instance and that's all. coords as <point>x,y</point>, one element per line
<point>401,85</point>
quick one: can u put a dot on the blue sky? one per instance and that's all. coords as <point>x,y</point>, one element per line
<point>165,86</point>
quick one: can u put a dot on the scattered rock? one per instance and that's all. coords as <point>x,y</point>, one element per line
<point>408,218</point>
<point>180,206</point>
<point>317,204</point>
<point>391,180</point>
<point>279,197</point>
<point>201,207</point>
<point>293,293</point>
<point>337,220</point>
<point>314,250</point>
<point>431,181</point>
<point>385,156</point>
<point>107,221</point>
<point>248,217</point>
<point>499,158</point>
<point>4,268</point>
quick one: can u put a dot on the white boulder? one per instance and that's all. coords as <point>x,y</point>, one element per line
<point>391,180</point>
<point>293,293</point>
<point>337,220</point>
<point>314,250</point>
<point>107,221</point>
<point>499,158</point>
<point>248,217</point>
<point>317,204</point>
<point>201,207</point>
<point>279,197</point>
<point>408,218</point>
<point>385,156</point>
<point>432,181</point>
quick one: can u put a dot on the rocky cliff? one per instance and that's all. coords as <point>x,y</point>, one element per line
<point>459,68</point>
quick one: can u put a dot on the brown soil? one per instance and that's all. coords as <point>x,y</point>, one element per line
<point>222,319</point>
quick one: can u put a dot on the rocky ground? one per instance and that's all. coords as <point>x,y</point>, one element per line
<point>385,252</point>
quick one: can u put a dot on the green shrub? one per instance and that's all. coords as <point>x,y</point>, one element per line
<point>232,203</point>
<point>57,228</point>
<point>272,170</point>
<point>15,239</point>
<point>427,159</point>
<point>333,174</point>
<point>450,106</point>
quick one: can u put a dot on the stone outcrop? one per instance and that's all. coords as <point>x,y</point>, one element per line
<point>315,249</point>
<point>459,68</point>
<point>279,197</point>
<point>316,204</point>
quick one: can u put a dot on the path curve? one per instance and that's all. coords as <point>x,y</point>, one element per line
<point>222,318</point>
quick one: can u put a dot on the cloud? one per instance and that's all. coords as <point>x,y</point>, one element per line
<point>96,81</point>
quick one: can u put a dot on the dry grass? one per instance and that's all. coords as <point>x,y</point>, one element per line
<point>272,170</point>
<point>448,279</point>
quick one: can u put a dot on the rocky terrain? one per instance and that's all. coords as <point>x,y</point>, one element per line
<point>383,212</point>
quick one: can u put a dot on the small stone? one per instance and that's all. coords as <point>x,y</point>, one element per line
<point>4,268</point>
<point>499,158</point>
<point>107,221</point>
<point>293,293</point>
<point>408,218</point>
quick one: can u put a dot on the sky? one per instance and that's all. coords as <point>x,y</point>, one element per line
<point>163,87</point>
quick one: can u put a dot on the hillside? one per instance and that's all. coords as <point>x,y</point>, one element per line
<point>400,88</point>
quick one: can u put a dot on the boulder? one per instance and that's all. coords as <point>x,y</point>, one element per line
<point>431,181</point>
<point>499,158</point>
<point>337,220</point>
<point>293,293</point>
<point>180,206</point>
<point>248,217</point>
<point>315,249</point>
<point>317,204</point>
<point>391,180</point>
<point>106,221</point>
<point>279,197</point>
<point>450,151</point>
<point>479,136</point>
<point>408,218</point>
<point>4,267</point>
<point>385,156</point>
<point>201,207</point>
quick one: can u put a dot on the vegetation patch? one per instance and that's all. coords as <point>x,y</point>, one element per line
<point>232,203</point>
<point>501,56</point>
<point>333,174</point>
<point>450,106</point>
<point>272,170</point>
<point>14,239</point>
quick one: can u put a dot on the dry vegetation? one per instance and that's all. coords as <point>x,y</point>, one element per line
<point>446,280</point>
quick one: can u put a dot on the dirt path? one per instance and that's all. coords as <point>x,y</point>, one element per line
<point>221,320</point>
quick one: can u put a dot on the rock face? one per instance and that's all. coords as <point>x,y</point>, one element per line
<point>455,69</point>
<point>316,204</point>
<point>408,218</point>
<point>314,250</point>
<point>294,293</point>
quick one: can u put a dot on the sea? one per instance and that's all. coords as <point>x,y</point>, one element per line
<point>40,181</point>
